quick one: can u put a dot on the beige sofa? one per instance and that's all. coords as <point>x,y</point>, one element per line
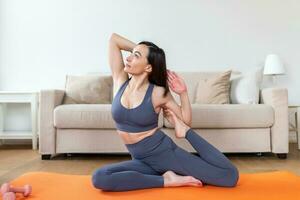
<point>89,128</point>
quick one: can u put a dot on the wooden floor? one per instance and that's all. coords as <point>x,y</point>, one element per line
<point>18,159</point>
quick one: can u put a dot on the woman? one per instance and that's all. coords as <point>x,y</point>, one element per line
<point>156,160</point>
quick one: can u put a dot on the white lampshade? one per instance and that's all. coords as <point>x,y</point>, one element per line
<point>273,65</point>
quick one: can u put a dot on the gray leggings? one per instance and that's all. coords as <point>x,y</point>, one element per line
<point>156,154</point>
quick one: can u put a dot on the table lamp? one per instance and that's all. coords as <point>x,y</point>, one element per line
<point>273,66</point>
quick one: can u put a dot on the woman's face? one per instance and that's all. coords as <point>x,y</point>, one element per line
<point>136,62</point>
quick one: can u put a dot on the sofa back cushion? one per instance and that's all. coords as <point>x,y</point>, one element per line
<point>88,89</point>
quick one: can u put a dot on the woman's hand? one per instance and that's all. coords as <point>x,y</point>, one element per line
<point>167,115</point>
<point>176,83</point>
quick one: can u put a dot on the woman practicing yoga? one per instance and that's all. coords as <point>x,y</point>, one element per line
<point>156,160</point>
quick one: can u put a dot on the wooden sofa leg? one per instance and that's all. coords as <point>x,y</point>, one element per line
<point>282,155</point>
<point>46,156</point>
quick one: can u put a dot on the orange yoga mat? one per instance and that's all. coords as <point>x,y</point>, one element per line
<point>253,186</point>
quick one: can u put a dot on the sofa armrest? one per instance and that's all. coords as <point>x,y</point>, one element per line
<point>49,99</point>
<point>278,99</point>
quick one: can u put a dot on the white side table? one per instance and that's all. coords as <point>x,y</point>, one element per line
<point>296,127</point>
<point>30,97</point>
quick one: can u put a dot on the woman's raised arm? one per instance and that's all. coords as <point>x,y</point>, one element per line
<point>116,63</point>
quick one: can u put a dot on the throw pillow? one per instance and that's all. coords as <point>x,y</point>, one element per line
<point>214,90</point>
<point>245,87</point>
<point>88,89</point>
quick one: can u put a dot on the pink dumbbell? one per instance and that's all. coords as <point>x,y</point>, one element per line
<point>26,189</point>
<point>9,196</point>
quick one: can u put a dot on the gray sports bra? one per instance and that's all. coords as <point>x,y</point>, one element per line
<point>138,119</point>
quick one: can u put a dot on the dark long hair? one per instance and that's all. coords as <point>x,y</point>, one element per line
<point>157,59</point>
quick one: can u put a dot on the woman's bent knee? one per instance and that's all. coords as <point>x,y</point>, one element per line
<point>233,177</point>
<point>101,179</point>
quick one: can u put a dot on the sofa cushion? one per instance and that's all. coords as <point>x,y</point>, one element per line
<point>87,116</point>
<point>88,89</point>
<point>214,90</point>
<point>245,87</point>
<point>230,116</point>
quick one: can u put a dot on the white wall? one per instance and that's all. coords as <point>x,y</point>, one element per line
<point>43,40</point>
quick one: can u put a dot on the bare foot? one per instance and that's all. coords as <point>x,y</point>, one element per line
<point>180,127</point>
<point>172,180</point>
